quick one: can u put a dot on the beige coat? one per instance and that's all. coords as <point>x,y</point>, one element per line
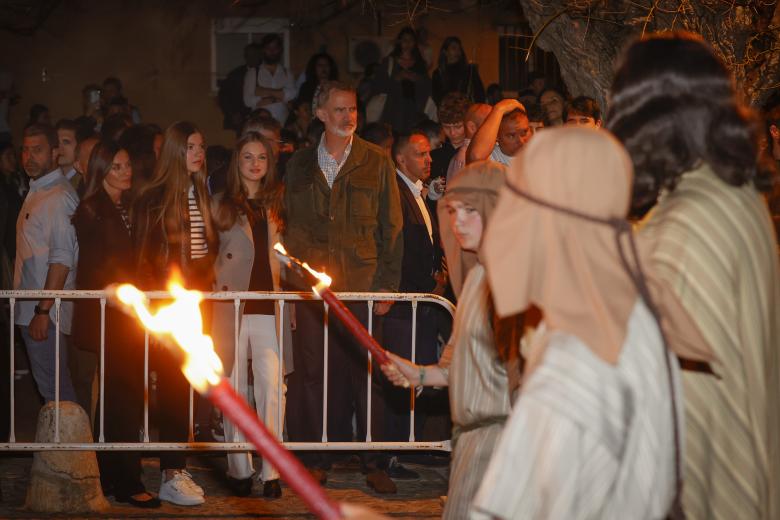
<point>233,268</point>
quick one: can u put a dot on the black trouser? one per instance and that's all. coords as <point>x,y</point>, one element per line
<point>173,389</point>
<point>347,380</point>
<point>120,471</point>
<point>397,334</point>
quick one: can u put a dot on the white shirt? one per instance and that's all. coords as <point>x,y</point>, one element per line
<point>262,77</point>
<point>500,157</point>
<point>586,439</point>
<point>68,174</point>
<point>328,164</point>
<point>45,235</point>
<point>416,188</point>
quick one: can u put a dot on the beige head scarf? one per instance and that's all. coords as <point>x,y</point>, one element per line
<point>477,185</point>
<point>569,267</point>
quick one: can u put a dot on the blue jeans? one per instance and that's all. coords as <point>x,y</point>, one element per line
<point>42,364</point>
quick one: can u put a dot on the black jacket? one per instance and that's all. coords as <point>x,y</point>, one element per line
<point>105,258</point>
<point>160,251</point>
<point>422,257</point>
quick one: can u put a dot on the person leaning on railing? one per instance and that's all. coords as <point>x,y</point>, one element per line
<point>104,235</point>
<point>248,218</point>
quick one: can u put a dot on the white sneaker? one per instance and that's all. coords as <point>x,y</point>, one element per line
<point>181,490</point>
<point>191,483</point>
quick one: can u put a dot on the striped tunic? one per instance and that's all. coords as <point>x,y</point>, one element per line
<point>479,392</point>
<point>199,248</point>
<point>586,439</point>
<point>714,243</point>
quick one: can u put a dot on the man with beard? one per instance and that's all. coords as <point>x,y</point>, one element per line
<point>46,256</point>
<point>344,218</point>
<point>270,85</point>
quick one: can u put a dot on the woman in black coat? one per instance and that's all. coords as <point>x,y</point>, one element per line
<point>106,257</point>
<point>456,74</point>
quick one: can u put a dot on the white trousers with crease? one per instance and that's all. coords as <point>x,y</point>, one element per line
<point>258,333</point>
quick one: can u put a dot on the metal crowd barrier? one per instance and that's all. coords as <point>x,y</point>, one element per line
<point>236,297</point>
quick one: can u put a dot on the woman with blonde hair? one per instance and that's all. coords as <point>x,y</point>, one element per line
<point>174,236</point>
<point>248,217</point>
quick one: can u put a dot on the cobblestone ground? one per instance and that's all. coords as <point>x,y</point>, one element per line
<point>415,499</point>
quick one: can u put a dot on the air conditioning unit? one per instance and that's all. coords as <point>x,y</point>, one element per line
<point>365,50</point>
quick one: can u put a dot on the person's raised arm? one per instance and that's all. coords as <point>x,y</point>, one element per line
<point>485,139</point>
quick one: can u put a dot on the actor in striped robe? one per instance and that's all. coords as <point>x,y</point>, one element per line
<point>674,107</point>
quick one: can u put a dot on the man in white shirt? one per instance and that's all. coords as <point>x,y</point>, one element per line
<point>66,151</point>
<point>46,257</point>
<point>270,85</point>
<point>502,135</point>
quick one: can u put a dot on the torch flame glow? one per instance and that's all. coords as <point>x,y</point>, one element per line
<point>324,279</point>
<point>182,321</point>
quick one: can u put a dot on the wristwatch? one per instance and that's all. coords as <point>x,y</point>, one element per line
<point>38,310</point>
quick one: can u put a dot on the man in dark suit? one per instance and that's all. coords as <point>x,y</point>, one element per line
<point>420,272</point>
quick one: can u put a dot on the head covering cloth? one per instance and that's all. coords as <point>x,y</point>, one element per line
<point>557,241</point>
<point>477,185</point>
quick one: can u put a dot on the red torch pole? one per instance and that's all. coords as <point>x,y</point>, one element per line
<point>335,305</point>
<point>290,468</point>
<point>353,325</point>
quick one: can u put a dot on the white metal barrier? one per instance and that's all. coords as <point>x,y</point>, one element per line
<point>237,297</point>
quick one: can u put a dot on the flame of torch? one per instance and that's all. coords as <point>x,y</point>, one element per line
<point>320,284</point>
<point>182,321</point>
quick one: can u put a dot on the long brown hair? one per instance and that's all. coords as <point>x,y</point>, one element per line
<point>100,161</point>
<point>170,174</point>
<point>235,200</point>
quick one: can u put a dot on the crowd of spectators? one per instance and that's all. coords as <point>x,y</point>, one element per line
<point>348,178</point>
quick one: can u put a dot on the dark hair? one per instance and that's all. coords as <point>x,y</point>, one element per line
<point>584,105</point>
<point>36,111</point>
<point>114,126</point>
<point>449,40</point>
<point>235,200</point>
<point>376,132</point>
<point>67,124</point>
<point>255,124</point>
<point>534,112</point>
<point>518,112</point>
<point>397,47</point>
<point>138,140</point>
<point>311,67</point>
<point>85,127</point>
<point>401,140</point>
<point>453,108</point>
<point>112,80</point>
<point>673,105</point>
<point>100,161</point>
<point>428,128</point>
<point>550,89</point>
<point>270,38</point>
<point>47,131</point>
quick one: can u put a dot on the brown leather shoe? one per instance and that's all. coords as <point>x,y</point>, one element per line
<point>320,475</point>
<point>380,482</point>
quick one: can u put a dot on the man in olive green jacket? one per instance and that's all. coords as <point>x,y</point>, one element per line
<point>344,218</point>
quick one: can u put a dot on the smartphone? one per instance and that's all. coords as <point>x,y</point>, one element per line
<point>94,97</point>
